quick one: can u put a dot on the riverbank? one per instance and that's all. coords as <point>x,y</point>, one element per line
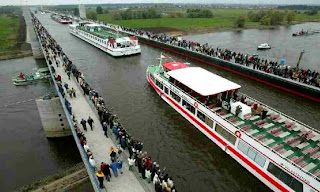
<point>13,35</point>
<point>223,20</point>
<point>69,179</point>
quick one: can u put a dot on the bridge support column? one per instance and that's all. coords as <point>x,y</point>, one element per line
<point>53,118</point>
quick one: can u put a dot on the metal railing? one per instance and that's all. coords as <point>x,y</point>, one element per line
<point>83,154</point>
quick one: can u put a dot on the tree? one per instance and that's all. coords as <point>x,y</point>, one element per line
<point>290,16</point>
<point>240,22</point>
<point>76,12</point>
<point>265,21</point>
<point>276,17</point>
<point>91,14</point>
<point>99,10</point>
<point>105,11</point>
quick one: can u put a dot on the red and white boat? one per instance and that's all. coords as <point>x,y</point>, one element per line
<point>280,151</point>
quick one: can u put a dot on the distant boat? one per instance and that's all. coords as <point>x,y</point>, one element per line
<point>264,46</point>
<point>305,33</point>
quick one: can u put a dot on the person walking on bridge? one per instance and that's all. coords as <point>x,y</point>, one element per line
<point>69,74</point>
<point>100,177</point>
<point>90,122</point>
<point>83,123</point>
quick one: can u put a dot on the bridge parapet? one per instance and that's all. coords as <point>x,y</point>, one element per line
<point>90,169</point>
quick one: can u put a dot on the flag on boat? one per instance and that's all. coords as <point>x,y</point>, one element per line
<point>283,60</point>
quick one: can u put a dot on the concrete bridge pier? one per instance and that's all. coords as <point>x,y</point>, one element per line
<point>53,117</point>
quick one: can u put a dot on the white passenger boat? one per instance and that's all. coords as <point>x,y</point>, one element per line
<point>106,39</point>
<point>280,151</point>
<point>264,46</point>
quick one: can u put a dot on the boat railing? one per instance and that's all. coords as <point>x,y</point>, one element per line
<point>266,146</point>
<point>282,114</point>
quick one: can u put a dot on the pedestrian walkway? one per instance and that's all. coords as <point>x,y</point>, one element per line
<point>98,143</point>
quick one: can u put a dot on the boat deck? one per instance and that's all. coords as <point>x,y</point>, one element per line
<point>278,132</point>
<point>104,33</point>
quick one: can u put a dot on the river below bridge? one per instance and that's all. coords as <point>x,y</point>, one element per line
<point>195,163</point>
<point>26,155</point>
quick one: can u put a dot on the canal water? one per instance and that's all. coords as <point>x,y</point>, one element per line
<point>283,45</point>
<point>26,155</point>
<point>195,163</point>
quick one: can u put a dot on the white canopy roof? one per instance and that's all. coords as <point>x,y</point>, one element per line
<point>93,25</point>
<point>202,81</point>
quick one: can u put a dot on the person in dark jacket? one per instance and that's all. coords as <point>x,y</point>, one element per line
<point>90,122</point>
<point>123,142</point>
<point>100,177</point>
<point>106,172</point>
<point>105,128</point>
<point>83,123</point>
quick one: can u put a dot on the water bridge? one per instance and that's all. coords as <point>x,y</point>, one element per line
<point>82,107</point>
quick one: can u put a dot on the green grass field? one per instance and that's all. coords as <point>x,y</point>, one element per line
<point>304,17</point>
<point>8,32</point>
<point>223,19</point>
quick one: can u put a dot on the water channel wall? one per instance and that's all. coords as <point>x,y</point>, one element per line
<point>53,118</point>
<point>288,85</point>
<point>90,170</point>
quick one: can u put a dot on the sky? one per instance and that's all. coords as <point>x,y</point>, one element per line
<point>58,2</point>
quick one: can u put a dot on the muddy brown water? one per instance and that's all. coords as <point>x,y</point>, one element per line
<point>194,162</point>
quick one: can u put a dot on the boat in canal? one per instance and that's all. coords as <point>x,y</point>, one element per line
<point>105,39</point>
<point>280,151</point>
<point>26,79</point>
<point>61,19</point>
<point>264,46</point>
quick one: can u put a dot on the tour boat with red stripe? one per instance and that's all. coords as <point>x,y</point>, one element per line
<point>280,151</point>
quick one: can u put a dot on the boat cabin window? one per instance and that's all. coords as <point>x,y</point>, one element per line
<point>188,106</point>
<point>251,153</point>
<point>166,90</point>
<point>204,118</point>
<point>175,96</point>
<point>159,84</point>
<point>225,134</point>
<point>285,177</point>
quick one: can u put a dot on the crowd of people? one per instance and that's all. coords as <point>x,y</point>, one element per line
<point>306,76</point>
<point>138,157</point>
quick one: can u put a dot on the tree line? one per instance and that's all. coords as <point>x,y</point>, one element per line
<point>140,14</point>
<point>271,17</point>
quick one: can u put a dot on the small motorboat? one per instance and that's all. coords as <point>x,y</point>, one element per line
<point>25,79</point>
<point>264,46</point>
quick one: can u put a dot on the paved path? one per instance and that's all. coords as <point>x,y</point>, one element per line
<point>98,143</point>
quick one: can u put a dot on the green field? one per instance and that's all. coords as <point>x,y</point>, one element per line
<point>223,19</point>
<point>304,17</point>
<point>8,32</point>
